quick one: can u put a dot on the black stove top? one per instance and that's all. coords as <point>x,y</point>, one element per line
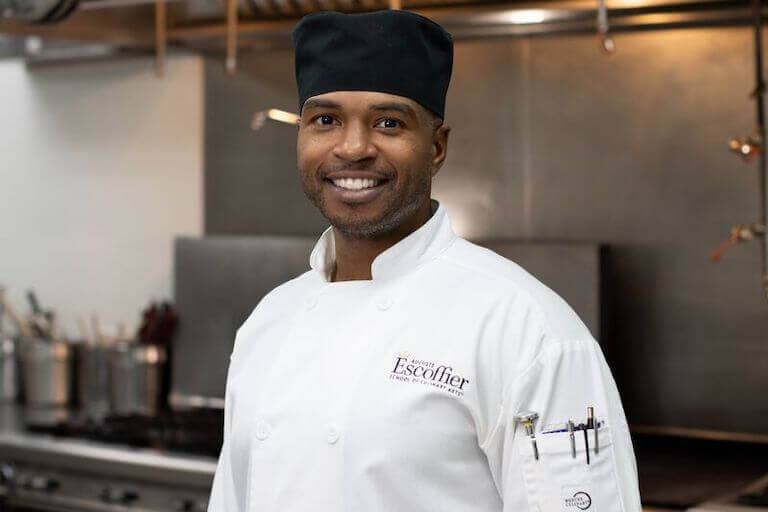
<point>193,431</point>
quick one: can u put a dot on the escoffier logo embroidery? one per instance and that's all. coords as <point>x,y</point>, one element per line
<point>428,373</point>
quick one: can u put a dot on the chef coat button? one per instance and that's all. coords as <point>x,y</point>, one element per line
<point>310,302</point>
<point>332,435</point>
<point>262,430</point>
<point>385,302</point>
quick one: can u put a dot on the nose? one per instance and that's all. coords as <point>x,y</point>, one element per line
<point>355,144</point>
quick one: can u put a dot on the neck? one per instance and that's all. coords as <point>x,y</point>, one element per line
<point>354,256</point>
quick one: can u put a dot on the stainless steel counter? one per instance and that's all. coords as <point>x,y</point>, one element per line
<point>86,475</point>
<point>16,443</point>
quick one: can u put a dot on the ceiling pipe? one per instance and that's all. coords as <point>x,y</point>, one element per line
<point>160,37</point>
<point>231,61</point>
<point>759,97</point>
<point>524,19</point>
<point>193,29</point>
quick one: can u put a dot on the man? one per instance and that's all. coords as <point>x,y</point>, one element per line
<point>395,375</point>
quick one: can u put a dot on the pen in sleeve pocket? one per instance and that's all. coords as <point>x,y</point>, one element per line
<point>583,426</point>
<point>597,445</point>
<point>565,428</point>
<point>527,418</point>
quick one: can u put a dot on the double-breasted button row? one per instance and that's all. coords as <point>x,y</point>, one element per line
<point>383,302</point>
<point>332,434</point>
<point>310,301</point>
<point>264,429</point>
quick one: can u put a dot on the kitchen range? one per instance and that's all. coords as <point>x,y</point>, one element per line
<point>132,422</point>
<point>45,472</point>
<point>93,431</point>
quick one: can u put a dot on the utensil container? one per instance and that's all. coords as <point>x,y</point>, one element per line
<point>9,370</point>
<point>93,380</point>
<point>136,376</point>
<point>47,371</point>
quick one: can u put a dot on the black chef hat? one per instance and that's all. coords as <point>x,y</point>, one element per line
<point>391,51</point>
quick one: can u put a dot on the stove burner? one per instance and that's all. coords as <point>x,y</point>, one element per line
<point>194,431</point>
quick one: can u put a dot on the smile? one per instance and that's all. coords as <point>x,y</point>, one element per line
<point>355,190</point>
<point>355,183</point>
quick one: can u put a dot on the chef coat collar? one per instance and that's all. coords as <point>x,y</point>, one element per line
<point>426,242</point>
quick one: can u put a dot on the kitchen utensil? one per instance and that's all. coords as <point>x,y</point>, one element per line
<point>136,377</point>
<point>9,370</point>
<point>47,371</point>
<point>40,320</point>
<point>158,324</point>
<point>18,322</point>
<point>9,375</point>
<point>92,380</point>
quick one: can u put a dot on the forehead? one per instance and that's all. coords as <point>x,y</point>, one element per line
<point>364,100</point>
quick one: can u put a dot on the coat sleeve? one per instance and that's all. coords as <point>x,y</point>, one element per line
<point>223,496</point>
<point>564,379</point>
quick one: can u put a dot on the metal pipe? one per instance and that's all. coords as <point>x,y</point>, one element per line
<point>231,62</point>
<point>160,36</point>
<point>484,21</point>
<point>759,95</point>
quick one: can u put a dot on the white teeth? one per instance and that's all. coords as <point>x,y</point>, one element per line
<point>355,183</point>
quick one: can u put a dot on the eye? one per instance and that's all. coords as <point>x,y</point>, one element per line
<point>325,120</point>
<point>391,123</point>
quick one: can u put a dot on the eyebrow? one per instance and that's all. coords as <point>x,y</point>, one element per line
<point>388,105</point>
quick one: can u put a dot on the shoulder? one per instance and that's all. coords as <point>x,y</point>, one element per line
<point>286,294</point>
<point>481,271</point>
<point>277,303</point>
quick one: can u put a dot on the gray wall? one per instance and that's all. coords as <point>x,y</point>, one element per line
<point>553,141</point>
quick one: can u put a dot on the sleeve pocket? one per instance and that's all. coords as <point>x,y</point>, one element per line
<point>558,482</point>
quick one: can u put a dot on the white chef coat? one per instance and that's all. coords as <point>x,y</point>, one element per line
<point>398,393</point>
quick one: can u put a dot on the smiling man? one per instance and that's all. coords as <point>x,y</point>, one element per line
<point>370,177</point>
<point>409,369</point>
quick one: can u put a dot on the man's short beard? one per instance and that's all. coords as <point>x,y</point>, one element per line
<point>394,215</point>
<point>392,220</point>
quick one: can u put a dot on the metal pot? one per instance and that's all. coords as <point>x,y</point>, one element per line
<point>9,370</point>
<point>93,380</point>
<point>136,376</point>
<point>47,372</point>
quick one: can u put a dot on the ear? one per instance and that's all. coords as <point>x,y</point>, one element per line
<point>439,147</point>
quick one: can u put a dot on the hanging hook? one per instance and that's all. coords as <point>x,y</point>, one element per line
<point>739,233</point>
<point>747,147</point>
<point>605,41</point>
